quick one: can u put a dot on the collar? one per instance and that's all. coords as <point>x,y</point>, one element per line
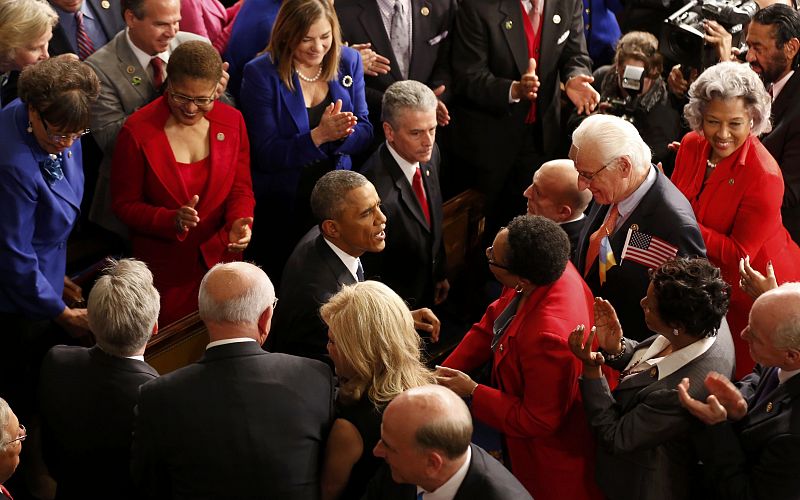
<point>448,490</point>
<point>350,262</point>
<point>142,56</point>
<point>574,219</point>
<point>217,343</point>
<point>670,363</point>
<point>630,203</point>
<point>138,358</point>
<point>778,86</point>
<point>784,375</point>
<point>409,169</point>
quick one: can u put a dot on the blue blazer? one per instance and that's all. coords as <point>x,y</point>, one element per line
<point>36,218</point>
<point>277,122</point>
<point>249,36</point>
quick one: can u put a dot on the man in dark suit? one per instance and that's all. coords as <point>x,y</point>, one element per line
<point>85,25</point>
<point>405,173</point>
<point>630,194</point>
<point>327,258</point>
<point>774,41</point>
<point>508,66</point>
<point>554,194</point>
<point>751,445</point>
<point>87,396</point>
<point>241,422</point>
<point>425,440</point>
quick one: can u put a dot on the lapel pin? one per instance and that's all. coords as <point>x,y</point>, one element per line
<point>428,173</point>
<point>634,227</point>
<point>130,70</point>
<point>105,4</point>
<point>425,11</point>
<point>347,81</point>
<point>508,25</point>
<point>557,19</point>
<point>769,407</point>
<point>220,136</point>
<point>654,372</point>
<point>501,347</point>
<point>136,80</point>
<point>730,181</point>
<point>69,154</point>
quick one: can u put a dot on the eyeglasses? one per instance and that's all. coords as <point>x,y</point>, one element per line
<point>588,176</point>
<point>275,302</point>
<point>63,139</point>
<point>490,258</point>
<point>200,102</point>
<point>21,438</point>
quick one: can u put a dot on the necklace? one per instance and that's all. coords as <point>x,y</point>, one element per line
<point>711,165</point>
<point>307,79</point>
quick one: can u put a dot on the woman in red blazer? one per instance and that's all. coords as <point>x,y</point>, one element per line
<point>181,180</point>
<point>734,185</point>
<point>533,400</point>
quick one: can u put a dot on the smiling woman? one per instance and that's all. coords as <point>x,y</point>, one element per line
<point>181,180</point>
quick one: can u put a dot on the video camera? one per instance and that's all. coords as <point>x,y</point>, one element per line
<point>632,81</point>
<point>682,35</point>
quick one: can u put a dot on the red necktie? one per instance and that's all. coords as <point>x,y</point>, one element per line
<point>594,240</point>
<point>158,72</point>
<point>419,190</point>
<point>85,45</point>
<point>5,492</point>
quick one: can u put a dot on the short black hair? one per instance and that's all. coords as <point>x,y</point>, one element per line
<point>785,21</point>
<point>538,249</point>
<point>691,293</point>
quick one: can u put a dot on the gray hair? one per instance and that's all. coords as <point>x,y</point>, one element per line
<point>22,21</point>
<point>250,294</point>
<point>612,138</point>
<point>328,195</point>
<point>406,94</point>
<point>5,416</point>
<point>729,80</point>
<point>787,333</point>
<point>123,307</point>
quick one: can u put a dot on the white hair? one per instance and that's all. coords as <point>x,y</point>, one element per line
<point>248,296</point>
<point>612,138</point>
<point>5,416</point>
<point>787,333</point>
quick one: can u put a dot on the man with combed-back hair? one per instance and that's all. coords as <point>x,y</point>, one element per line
<point>241,422</point>
<point>87,395</point>
<point>425,441</point>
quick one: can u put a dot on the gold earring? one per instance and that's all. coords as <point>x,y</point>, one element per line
<point>30,127</point>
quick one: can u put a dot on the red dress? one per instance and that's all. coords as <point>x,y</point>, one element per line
<point>536,404</point>
<point>739,214</point>
<point>148,185</point>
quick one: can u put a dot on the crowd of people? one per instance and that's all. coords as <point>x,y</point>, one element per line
<point>643,341</point>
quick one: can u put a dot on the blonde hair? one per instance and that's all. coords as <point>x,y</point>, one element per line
<point>22,21</point>
<point>374,332</point>
<point>295,18</point>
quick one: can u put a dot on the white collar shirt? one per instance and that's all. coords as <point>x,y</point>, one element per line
<point>448,490</point>
<point>350,262</point>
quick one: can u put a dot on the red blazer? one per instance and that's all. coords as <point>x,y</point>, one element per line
<point>537,404</point>
<point>146,190</point>
<point>739,214</point>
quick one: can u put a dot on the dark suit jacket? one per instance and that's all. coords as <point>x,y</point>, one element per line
<point>413,260</point>
<point>663,212</point>
<point>486,479</point>
<point>86,399</point>
<point>783,143</point>
<point>759,456</point>
<point>107,13</point>
<point>312,275</point>
<point>573,230</point>
<point>239,423</point>
<point>431,33</point>
<point>643,430</point>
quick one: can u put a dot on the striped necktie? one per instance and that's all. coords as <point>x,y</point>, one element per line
<point>85,45</point>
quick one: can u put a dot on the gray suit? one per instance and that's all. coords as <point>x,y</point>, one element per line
<point>643,447</point>
<point>124,87</point>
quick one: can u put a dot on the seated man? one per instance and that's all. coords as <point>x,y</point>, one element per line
<point>328,257</point>
<point>751,445</point>
<point>405,172</point>
<point>241,422</point>
<point>87,395</point>
<point>554,194</point>
<point>12,434</point>
<point>425,440</point>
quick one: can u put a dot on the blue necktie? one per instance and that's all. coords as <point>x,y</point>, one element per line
<point>360,272</point>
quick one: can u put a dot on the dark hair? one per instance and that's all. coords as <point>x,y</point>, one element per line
<point>329,195</point>
<point>691,293</point>
<point>538,249</point>
<point>450,435</point>
<point>135,6</point>
<point>643,47</point>
<point>785,22</point>
<point>194,60</point>
<point>61,89</point>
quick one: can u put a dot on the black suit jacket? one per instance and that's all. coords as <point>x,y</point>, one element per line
<point>108,14</point>
<point>486,479</point>
<point>759,456</point>
<point>783,143</point>
<point>573,230</point>
<point>239,423</point>
<point>312,275</point>
<point>414,259</point>
<point>86,398</point>
<point>431,33</point>
<point>663,212</point>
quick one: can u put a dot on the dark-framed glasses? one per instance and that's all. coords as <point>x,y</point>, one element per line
<point>63,138</point>
<point>182,100</point>
<point>492,262</point>
<point>23,434</point>
<point>587,176</point>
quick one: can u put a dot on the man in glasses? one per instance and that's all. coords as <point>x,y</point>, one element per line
<point>12,434</point>
<point>639,219</point>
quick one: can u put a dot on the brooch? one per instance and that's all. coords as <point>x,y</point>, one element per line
<point>347,81</point>
<point>136,80</point>
<point>51,169</point>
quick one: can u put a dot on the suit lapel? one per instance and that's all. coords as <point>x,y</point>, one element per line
<point>772,406</point>
<point>407,196</point>
<point>221,167</point>
<point>130,69</point>
<point>295,104</point>
<point>102,15</point>
<point>163,164</point>
<point>418,44</point>
<point>372,22</point>
<point>333,262</point>
<point>786,97</point>
<point>550,32</point>
<point>339,91</point>
<point>511,12</point>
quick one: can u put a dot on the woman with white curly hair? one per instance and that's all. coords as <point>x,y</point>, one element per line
<point>734,185</point>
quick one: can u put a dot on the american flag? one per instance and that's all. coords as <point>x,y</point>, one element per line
<point>646,249</point>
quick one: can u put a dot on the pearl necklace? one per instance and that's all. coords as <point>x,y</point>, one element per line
<point>307,79</point>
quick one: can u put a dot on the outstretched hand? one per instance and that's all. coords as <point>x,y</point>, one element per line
<point>724,401</point>
<point>186,217</point>
<point>580,91</point>
<point>592,361</point>
<point>606,322</point>
<point>239,235</point>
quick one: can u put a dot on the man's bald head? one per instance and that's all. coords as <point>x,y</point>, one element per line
<point>235,293</point>
<point>773,332</point>
<point>554,193</point>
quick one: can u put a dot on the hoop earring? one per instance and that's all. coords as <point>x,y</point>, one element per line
<point>518,288</point>
<point>30,127</point>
